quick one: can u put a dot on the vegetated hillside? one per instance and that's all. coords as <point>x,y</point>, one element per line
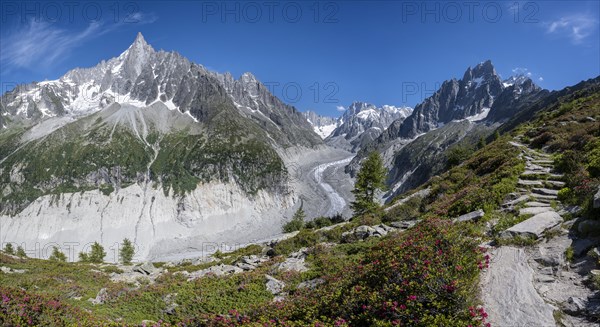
<point>120,146</point>
<point>359,273</point>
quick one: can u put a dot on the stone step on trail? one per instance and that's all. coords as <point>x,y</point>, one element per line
<point>525,182</point>
<point>545,175</point>
<point>533,204</point>
<point>518,200</point>
<point>544,191</point>
<point>537,168</point>
<point>557,184</point>
<point>534,226</point>
<point>544,198</point>
<point>534,210</point>
<point>543,161</point>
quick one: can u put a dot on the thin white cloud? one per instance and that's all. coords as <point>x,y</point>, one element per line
<point>340,108</point>
<point>518,71</point>
<point>40,44</point>
<point>523,71</point>
<point>578,27</point>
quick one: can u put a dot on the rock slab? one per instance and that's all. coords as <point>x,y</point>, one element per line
<point>471,216</point>
<point>508,293</point>
<point>534,226</point>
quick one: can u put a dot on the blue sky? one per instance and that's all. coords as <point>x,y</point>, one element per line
<point>332,53</point>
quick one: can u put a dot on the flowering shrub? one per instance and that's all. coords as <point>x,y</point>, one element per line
<point>20,308</point>
<point>423,278</point>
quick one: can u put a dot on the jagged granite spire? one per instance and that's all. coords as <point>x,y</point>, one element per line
<point>136,56</point>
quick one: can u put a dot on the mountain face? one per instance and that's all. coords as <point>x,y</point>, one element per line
<point>362,122</point>
<point>479,98</point>
<point>148,146</point>
<point>322,125</point>
<point>280,120</point>
<point>142,76</point>
<point>472,95</point>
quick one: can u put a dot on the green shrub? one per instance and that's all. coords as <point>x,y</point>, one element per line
<point>457,154</point>
<point>409,210</point>
<point>20,252</point>
<point>305,238</point>
<point>296,223</point>
<point>57,255</point>
<point>569,254</point>
<point>8,249</point>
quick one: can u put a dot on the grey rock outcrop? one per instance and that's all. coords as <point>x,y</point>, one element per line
<point>274,285</point>
<point>534,226</point>
<point>100,298</point>
<point>147,268</point>
<point>471,216</point>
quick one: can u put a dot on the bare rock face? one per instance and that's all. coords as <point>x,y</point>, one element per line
<point>507,285</point>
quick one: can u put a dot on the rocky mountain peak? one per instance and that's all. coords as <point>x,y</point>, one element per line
<point>483,73</point>
<point>137,55</point>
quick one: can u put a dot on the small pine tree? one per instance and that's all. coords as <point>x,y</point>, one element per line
<point>8,248</point>
<point>481,143</point>
<point>297,221</point>
<point>127,251</point>
<point>83,257</point>
<point>21,253</point>
<point>369,180</point>
<point>57,255</point>
<point>97,254</point>
<point>496,135</point>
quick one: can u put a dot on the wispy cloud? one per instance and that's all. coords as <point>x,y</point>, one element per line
<point>518,71</point>
<point>522,71</point>
<point>340,108</point>
<point>40,44</point>
<point>578,27</point>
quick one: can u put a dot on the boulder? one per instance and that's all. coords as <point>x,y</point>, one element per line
<point>8,270</point>
<point>147,268</point>
<point>362,232</point>
<point>171,305</point>
<point>220,270</point>
<point>550,260</point>
<point>582,245</point>
<point>597,199</point>
<point>574,305</point>
<point>311,284</point>
<point>379,231</point>
<point>274,285</point>
<point>403,224</point>
<point>534,226</point>
<point>245,266</point>
<point>293,264</point>
<point>589,227</point>
<point>100,298</point>
<point>471,216</point>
